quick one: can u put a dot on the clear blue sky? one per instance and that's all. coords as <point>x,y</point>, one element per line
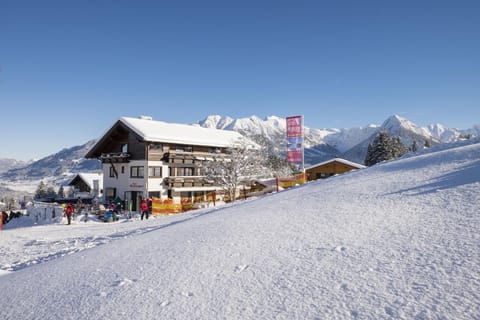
<point>69,69</point>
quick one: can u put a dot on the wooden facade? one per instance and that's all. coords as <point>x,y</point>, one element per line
<point>330,168</point>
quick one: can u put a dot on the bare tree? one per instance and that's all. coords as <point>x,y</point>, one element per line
<point>243,162</point>
<point>274,166</point>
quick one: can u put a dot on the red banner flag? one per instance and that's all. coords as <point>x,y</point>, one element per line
<point>294,139</point>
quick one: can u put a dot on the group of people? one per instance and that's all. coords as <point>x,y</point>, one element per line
<point>145,207</point>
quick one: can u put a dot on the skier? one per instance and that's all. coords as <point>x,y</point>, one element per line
<point>144,208</point>
<point>69,212</point>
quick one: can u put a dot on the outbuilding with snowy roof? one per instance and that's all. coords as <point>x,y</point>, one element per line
<point>87,184</point>
<point>331,167</point>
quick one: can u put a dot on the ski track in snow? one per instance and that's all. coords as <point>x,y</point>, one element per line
<point>67,239</point>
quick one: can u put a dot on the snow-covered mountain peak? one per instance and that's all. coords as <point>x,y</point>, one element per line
<point>436,129</point>
<point>255,125</point>
<point>395,121</point>
<point>216,122</point>
<point>398,126</point>
<point>274,120</point>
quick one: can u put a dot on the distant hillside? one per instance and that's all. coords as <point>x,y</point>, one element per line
<point>63,163</point>
<point>9,164</point>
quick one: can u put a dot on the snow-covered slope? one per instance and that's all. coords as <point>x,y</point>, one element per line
<point>398,240</point>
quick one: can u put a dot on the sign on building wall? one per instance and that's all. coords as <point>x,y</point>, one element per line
<point>294,140</point>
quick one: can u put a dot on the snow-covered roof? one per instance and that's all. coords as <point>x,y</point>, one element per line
<point>159,131</point>
<point>346,162</point>
<point>271,182</point>
<point>88,178</point>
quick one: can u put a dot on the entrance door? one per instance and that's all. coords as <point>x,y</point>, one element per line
<point>134,198</point>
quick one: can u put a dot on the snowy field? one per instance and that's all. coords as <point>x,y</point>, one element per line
<point>400,240</point>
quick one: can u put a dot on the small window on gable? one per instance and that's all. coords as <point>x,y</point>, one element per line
<point>125,148</point>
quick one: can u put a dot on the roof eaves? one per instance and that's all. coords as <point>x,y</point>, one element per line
<point>347,162</point>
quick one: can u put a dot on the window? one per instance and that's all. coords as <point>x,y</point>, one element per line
<point>136,172</point>
<point>123,169</point>
<point>214,150</point>
<point>125,148</point>
<point>186,195</point>
<point>112,172</point>
<point>183,148</point>
<point>156,146</point>
<point>154,171</point>
<point>110,193</point>
<point>184,171</point>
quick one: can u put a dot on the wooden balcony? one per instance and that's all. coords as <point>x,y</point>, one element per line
<point>115,157</point>
<point>187,182</point>
<point>192,157</point>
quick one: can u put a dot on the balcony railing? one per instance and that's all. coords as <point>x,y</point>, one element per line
<point>187,181</point>
<point>115,157</point>
<point>192,157</point>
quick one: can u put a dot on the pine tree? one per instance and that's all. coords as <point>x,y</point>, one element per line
<point>398,148</point>
<point>61,192</point>
<point>51,192</point>
<point>378,150</point>
<point>41,191</point>
<point>414,146</point>
<point>384,148</point>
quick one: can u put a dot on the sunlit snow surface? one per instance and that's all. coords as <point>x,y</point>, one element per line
<point>400,240</point>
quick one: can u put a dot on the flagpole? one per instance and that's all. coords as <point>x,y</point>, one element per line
<point>303,150</point>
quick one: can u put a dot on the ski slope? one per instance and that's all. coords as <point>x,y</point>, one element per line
<point>399,240</point>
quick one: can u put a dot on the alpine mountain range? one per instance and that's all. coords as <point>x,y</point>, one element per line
<point>350,144</point>
<point>319,144</point>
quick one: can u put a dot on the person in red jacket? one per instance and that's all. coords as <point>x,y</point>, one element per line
<point>144,208</point>
<point>69,212</point>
